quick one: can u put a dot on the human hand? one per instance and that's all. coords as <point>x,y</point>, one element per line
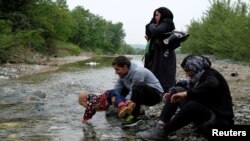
<point>166,97</point>
<point>113,99</point>
<point>178,97</point>
<point>83,121</point>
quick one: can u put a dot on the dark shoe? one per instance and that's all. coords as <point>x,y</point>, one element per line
<point>156,134</point>
<point>131,106</point>
<point>131,121</point>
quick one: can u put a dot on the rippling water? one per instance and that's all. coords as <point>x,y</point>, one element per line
<point>57,117</point>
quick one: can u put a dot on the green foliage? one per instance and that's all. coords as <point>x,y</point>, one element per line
<point>21,37</point>
<point>57,23</point>
<point>62,4</point>
<point>49,27</point>
<point>13,5</point>
<point>29,38</point>
<point>80,35</point>
<point>6,39</point>
<point>128,49</point>
<point>223,31</point>
<point>64,49</point>
<point>95,32</point>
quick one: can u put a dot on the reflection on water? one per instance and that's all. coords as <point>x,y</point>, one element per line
<point>57,116</point>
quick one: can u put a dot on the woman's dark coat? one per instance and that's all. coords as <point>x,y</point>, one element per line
<point>164,68</point>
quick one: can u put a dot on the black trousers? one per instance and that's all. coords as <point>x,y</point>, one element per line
<point>143,94</point>
<point>190,111</point>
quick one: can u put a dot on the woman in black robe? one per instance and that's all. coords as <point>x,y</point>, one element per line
<point>163,67</point>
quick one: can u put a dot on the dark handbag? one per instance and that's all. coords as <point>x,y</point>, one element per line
<point>173,39</point>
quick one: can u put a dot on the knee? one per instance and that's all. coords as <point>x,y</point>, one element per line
<point>191,105</point>
<point>176,89</point>
<point>138,85</point>
<point>138,89</point>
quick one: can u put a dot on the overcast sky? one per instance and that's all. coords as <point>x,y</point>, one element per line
<point>135,14</point>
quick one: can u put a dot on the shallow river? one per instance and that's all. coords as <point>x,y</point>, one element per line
<point>57,117</point>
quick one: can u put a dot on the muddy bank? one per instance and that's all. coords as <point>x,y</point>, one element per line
<point>16,70</point>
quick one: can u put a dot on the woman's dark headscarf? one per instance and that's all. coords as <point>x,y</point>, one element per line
<point>166,16</point>
<point>197,64</point>
<point>165,13</point>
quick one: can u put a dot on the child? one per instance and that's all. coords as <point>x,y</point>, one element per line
<point>93,103</point>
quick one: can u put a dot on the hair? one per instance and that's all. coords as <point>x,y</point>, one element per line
<point>82,97</point>
<point>121,61</point>
<point>165,13</point>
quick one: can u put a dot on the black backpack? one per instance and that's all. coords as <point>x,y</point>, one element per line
<point>173,39</point>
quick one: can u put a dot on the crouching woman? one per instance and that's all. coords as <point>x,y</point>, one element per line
<point>203,99</point>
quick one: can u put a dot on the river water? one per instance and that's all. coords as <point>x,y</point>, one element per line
<point>57,117</point>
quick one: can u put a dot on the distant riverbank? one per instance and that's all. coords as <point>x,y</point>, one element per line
<point>15,70</point>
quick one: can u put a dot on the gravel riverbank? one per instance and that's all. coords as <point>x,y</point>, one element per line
<point>15,70</point>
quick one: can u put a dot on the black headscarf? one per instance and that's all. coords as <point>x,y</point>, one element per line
<point>166,16</point>
<point>197,64</point>
<point>165,13</point>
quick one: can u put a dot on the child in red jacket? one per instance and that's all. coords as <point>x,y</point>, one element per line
<point>94,102</point>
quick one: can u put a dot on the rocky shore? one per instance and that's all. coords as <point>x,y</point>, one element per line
<point>237,75</point>
<point>15,70</point>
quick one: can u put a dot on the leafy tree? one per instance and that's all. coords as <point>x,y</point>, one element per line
<point>62,4</point>
<point>80,35</point>
<point>223,31</point>
<point>48,26</point>
<point>6,37</point>
<point>117,35</point>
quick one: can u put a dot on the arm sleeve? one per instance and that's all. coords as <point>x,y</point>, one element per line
<point>89,111</point>
<point>147,31</point>
<point>119,84</point>
<point>159,30</point>
<point>210,83</point>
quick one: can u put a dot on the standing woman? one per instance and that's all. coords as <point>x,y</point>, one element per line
<point>163,67</point>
